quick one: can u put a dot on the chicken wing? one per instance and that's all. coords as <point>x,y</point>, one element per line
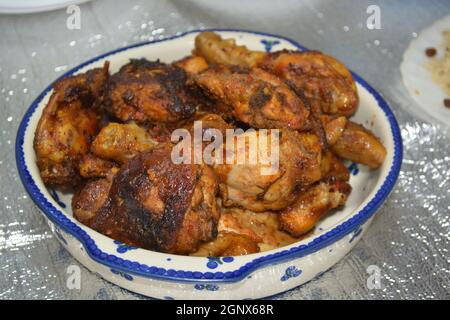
<point>303,214</point>
<point>67,127</point>
<point>158,205</point>
<point>360,145</point>
<point>254,96</point>
<point>216,50</point>
<point>249,186</point>
<point>146,91</point>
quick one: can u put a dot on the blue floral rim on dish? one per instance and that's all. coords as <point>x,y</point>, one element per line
<point>135,268</point>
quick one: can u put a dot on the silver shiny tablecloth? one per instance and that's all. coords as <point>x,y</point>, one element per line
<point>409,238</point>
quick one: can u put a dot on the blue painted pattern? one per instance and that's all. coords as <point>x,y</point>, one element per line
<point>122,274</point>
<point>214,262</point>
<point>291,272</point>
<point>208,287</point>
<point>355,234</point>
<point>268,44</point>
<point>55,197</point>
<point>353,168</point>
<point>123,247</point>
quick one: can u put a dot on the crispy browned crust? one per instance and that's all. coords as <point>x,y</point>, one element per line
<point>158,205</point>
<point>306,211</point>
<point>324,81</point>
<point>92,166</point>
<point>67,127</point>
<point>146,91</point>
<point>254,97</point>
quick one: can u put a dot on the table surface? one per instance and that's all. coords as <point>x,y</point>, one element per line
<point>409,237</point>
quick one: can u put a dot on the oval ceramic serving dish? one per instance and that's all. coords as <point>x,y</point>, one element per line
<point>253,276</point>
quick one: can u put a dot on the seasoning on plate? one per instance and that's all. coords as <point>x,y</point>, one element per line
<point>430,52</point>
<point>447,103</point>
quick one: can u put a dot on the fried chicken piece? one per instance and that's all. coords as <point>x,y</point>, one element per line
<point>158,205</point>
<point>121,142</point>
<point>192,64</point>
<point>92,166</point>
<point>333,168</point>
<point>324,81</point>
<point>262,227</point>
<point>360,145</point>
<point>227,244</point>
<point>89,199</point>
<point>216,50</point>
<point>254,97</point>
<point>333,127</point>
<point>272,183</point>
<point>306,211</point>
<point>146,91</point>
<point>67,127</point>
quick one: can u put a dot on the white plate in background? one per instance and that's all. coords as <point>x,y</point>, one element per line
<point>31,6</point>
<point>417,79</point>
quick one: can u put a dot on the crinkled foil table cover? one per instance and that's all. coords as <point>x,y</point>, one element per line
<point>409,237</point>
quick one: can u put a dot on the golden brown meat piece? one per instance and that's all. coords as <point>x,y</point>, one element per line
<point>146,91</point>
<point>158,205</point>
<point>121,142</point>
<point>262,227</point>
<point>89,199</point>
<point>303,214</point>
<point>225,51</point>
<point>324,81</point>
<point>192,64</point>
<point>94,167</point>
<point>333,168</point>
<point>254,97</point>
<point>67,127</point>
<point>227,244</point>
<point>360,145</point>
<point>333,127</point>
<point>274,183</point>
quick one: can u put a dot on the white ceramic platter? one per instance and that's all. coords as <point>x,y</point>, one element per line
<point>31,6</point>
<point>417,79</point>
<point>247,277</point>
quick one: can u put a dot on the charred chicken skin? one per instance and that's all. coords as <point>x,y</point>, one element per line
<point>155,204</point>
<point>324,81</point>
<point>254,97</point>
<point>145,91</point>
<point>67,127</point>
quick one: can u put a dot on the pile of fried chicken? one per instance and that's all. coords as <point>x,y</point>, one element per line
<point>107,137</point>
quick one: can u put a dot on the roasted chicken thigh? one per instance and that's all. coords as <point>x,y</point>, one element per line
<point>67,127</point>
<point>154,204</point>
<point>146,91</point>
